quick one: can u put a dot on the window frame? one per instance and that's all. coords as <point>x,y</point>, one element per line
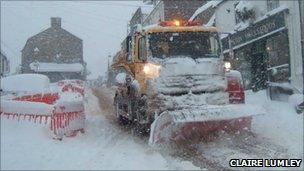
<point>142,51</point>
<point>272,4</point>
<point>236,15</point>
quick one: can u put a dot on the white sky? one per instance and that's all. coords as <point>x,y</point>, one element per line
<point>101,25</point>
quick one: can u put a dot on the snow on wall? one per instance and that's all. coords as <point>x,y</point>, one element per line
<point>26,83</point>
<point>56,67</point>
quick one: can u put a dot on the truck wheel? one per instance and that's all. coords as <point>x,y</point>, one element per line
<point>141,129</point>
<point>120,119</point>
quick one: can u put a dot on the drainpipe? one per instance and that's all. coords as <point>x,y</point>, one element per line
<point>301,8</point>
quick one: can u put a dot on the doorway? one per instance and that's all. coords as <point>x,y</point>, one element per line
<point>259,66</point>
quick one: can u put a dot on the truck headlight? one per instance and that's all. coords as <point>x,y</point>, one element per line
<point>227,66</point>
<point>151,70</point>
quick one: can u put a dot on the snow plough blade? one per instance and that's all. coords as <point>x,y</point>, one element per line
<point>201,121</point>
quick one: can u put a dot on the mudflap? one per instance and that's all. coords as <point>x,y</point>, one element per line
<point>198,122</point>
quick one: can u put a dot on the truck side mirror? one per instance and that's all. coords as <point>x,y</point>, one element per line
<point>127,44</point>
<point>128,48</point>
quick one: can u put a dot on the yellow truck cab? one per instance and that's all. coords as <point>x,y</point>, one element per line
<point>180,82</point>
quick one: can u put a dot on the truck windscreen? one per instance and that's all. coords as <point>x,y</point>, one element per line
<point>190,44</point>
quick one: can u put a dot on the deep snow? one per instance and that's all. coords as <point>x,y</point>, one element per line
<point>26,145</point>
<point>281,125</point>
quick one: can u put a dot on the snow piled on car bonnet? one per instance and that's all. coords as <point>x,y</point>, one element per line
<point>25,83</point>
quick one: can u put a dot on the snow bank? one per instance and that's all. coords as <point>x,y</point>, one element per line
<point>296,99</point>
<point>281,124</point>
<point>234,73</point>
<point>104,146</point>
<point>25,107</point>
<point>25,83</point>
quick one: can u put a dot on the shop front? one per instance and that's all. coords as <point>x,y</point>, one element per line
<point>261,52</point>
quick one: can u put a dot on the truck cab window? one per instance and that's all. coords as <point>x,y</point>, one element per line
<point>129,48</point>
<point>142,55</point>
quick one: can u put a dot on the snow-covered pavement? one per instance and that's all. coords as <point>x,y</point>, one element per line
<point>281,125</point>
<point>28,146</point>
<point>277,134</point>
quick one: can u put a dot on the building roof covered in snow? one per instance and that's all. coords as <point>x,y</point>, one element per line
<point>53,45</point>
<point>210,4</point>
<point>56,67</point>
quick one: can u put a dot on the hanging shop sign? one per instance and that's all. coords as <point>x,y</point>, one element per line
<point>259,29</point>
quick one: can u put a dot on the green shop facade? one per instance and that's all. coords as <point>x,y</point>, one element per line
<point>261,52</point>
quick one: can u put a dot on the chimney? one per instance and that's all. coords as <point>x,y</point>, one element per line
<point>56,22</point>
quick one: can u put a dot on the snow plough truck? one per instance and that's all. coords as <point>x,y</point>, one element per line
<point>173,83</point>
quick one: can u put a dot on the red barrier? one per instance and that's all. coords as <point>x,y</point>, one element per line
<point>41,119</point>
<point>66,118</point>
<point>63,124</point>
<point>48,98</point>
<point>70,87</point>
<point>67,123</point>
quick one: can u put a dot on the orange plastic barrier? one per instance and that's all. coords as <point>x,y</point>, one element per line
<point>48,98</point>
<point>65,118</point>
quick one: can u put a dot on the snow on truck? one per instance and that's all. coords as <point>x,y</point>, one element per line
<point>176,83</point>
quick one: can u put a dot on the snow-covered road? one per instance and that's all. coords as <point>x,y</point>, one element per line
<point>27,146</point>
<point>105,145</point>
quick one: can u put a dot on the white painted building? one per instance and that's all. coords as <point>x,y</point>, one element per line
<point>266,39</point>
<point>4,65</point>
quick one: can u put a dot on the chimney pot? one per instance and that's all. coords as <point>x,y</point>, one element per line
<point>56,22</point>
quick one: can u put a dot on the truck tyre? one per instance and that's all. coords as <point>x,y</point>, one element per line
<point>141,129</point>
<point>120,119</point>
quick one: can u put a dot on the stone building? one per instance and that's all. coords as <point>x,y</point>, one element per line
<point>206,13</point>
<point>266,40</point>
<point>4,65</point>
<point>165,10</point>
<point>54,52</point>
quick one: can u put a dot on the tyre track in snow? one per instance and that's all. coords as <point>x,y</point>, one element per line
<point>105,97</point>
<point>214,154</point>
<point>185,152</point>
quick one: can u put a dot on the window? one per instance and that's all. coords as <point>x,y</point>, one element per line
<point>128,47</point>
<point>190,44</point>
<point>279,60</point>
<point>237,14</point>
<point>142,49</point>
<point>272,4</point>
